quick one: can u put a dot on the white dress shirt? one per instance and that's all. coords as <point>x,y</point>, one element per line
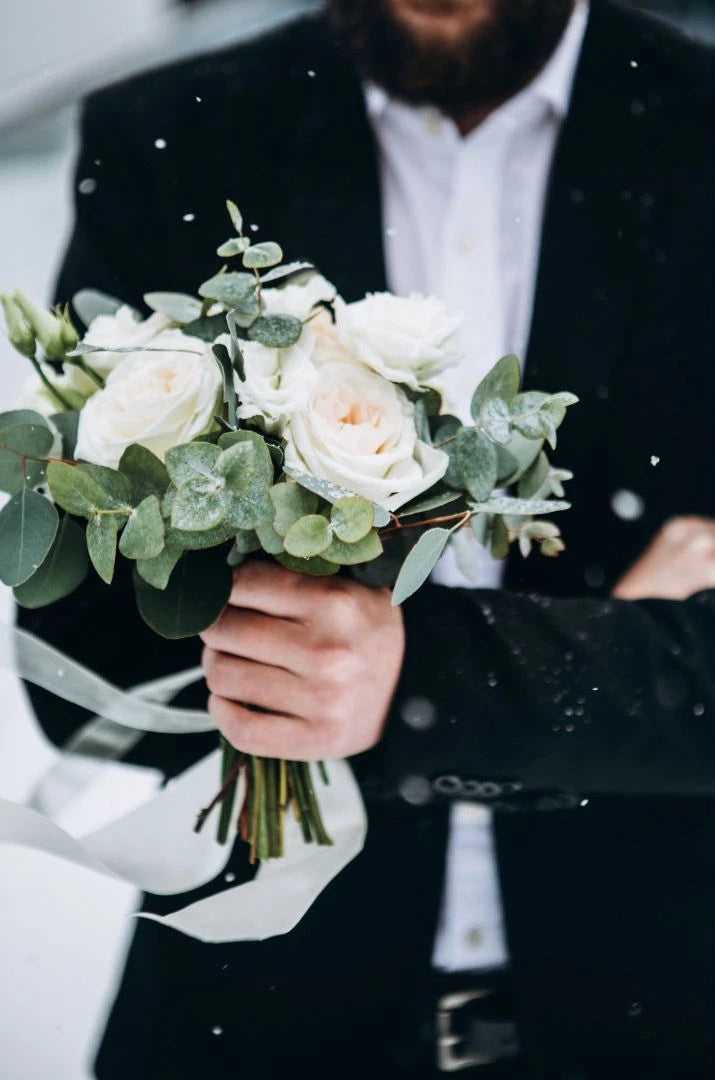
<point>462,219</point>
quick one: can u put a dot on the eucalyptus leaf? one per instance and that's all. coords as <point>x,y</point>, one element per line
<point>193,599</point>
<point>28,526</point>
<point>116,486</point>
<point>494,420</point>
<point>102,544</point>
<point>143,535</point>
<point>22,446</point>
<point>367,549</point>
<point>534,478</point>
<point>67,424</point>
<point>158,570</point>
<point>352,518</point>
<point>90,303</point>
<point>295,273</point>
<point>423,503</point>
<point>308,536</point>
<point>192,461</point>
<point>223,359</point>
<point>505,504</point>
<point>207,327</point>
<point>476,458</point>
<point>419,564</point>
<point>501,382</point>
<point>261,256</point>
<point>179,307</point>
<point>63,570</point>
<point>147,474</point>
<point>291,502</point>
<point>269,539</point>
<point>232,289</point>
<point>235,246</point>
<point>276,331</point>
<point>235,215</point>
<point>74,490</point>
<point>499,538</point>
<point>332,493</point>
<point>316,567</point>
<point>247,468</point>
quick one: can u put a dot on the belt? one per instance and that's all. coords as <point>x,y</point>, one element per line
<point>475,1025</point>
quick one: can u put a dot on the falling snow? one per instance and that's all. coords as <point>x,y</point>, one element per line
<point>160,144</point>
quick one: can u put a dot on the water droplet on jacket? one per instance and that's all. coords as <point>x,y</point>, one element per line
<point>199,99</point>
<point>634,63</point>
<point>216,1030</point>
<point>654,459</point>
<point>87,187</point>
<point>584,802</point>
<point>229,877</point>
<point>253,228</point>
<point>311,73</point>
<point>635,1008</point>
<point>698,709</point>
<point>189,217</point>
<point>160,144</point>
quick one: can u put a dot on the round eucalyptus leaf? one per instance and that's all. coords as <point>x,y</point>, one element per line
<point>261,256</point>
<point>308,536</point>
<point>143,536</point>
<point>316,567</point>
<point>179,307</point>
<point>352,519</point>
<point>276,331</point>
<point>74,490</point>
<point>366,550</point>
<point>102,531</point>
<point>291,502</point>
<point>64,569</point>
<point>21,444</point>
<point>28,526</point>
<point>195,596</point>
<point>476,458</point>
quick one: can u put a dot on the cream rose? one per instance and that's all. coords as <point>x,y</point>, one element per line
<point>299,300</point>
<point>121,330</point>
<point>278,381</point>
<point>407,340</point>
<point>358,430</point>
<point>158,399</point>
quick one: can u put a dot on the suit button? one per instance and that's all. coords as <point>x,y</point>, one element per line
<point>415,790</point>
<point>418,713</point>
<point>490,789</point>
<point>447,785</point>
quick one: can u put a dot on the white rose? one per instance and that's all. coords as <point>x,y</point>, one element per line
<point>158,399</point>
<point>406,339</point>
<point>358,430</point>
<point>299,300</point>
<point>35,395</point>
<point>278,381</point>
<point>122,330</point>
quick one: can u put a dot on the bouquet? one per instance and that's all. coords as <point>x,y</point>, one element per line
<point>263,417</point>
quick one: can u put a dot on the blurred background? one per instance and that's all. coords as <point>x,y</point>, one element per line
<point>64,931</point>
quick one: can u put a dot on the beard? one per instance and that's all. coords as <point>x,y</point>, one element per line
<point>488,62</point>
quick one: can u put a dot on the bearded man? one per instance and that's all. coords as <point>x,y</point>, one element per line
<point>535,898</point>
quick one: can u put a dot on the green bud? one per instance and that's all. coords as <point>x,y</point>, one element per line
<point>70,337</point>
<point>18,331</point>
<point>46,327</point>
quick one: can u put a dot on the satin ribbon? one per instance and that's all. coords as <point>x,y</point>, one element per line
<point>154,847</point>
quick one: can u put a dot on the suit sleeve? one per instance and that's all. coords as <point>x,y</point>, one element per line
<point>111,249</point>
<point>568,695</point>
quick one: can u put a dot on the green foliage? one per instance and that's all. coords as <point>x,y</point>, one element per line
<point>499,538</point>
<point>533,479</point>
<point>364,550</point>
<point>352,519</point>
<point>268,539</point>
<point>494,420</point>
<point>74,490</point>
<point>157,571</point>
<point>90,304</point>
<point>225,365</point>
<point>28,526</point>
<point>24,438</point>
<point>206,327</point>
<point>67,424</point>
<point>505,504</point>
<point>147,474</point>
<point>332,493</point>
<point>261,256</point>
<point>316,567</point>
<point>476,458</point>
<point>179,307</point>
<point>423,503</point>
<point>143,535</point>
<point>501,382</point>
<point>101,536</point>
<point>235,290</point>
<point>195,596</point>
<point>235,246</point>
<point>419,564</point>
<point>291,502</point>
<point>294,273</point>
<point>537,415</point>
<point>276,331</point>
<point>63,570</point>
<point>235,215</point>
<point>308,536</point>
<point>116,486</point>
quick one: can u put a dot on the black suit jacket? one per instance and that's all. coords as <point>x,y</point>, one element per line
<point>587,722</point>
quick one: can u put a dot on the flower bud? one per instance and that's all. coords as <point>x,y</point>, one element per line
<point>18,331</point>
<point>70,337</point>
<point>46,327</point>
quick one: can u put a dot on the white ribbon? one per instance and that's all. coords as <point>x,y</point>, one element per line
<point>154,847</point>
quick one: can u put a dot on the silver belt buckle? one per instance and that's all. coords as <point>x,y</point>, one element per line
<point>494,1040</point>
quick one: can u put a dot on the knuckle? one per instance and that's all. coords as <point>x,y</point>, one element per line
<point>336,664</point>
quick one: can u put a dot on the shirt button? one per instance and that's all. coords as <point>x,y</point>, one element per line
<point>475,937</point>
<point>415,790</point>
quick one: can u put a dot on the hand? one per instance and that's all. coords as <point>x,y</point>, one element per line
<point>679,562</point>
<point>321,656</point>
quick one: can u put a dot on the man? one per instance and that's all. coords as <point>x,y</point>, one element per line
<point>551,169</point>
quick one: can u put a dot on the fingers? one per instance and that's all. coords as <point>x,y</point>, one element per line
<point>255,636</point>
<point>244,681</point>
<point>271,589</point>
<point>265,734</point>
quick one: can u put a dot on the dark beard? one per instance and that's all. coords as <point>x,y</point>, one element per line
<point>488,65</point>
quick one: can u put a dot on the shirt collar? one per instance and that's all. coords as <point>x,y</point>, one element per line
<point>552,84</point>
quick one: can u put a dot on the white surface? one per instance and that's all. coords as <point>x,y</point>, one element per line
<point>482,197</point>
